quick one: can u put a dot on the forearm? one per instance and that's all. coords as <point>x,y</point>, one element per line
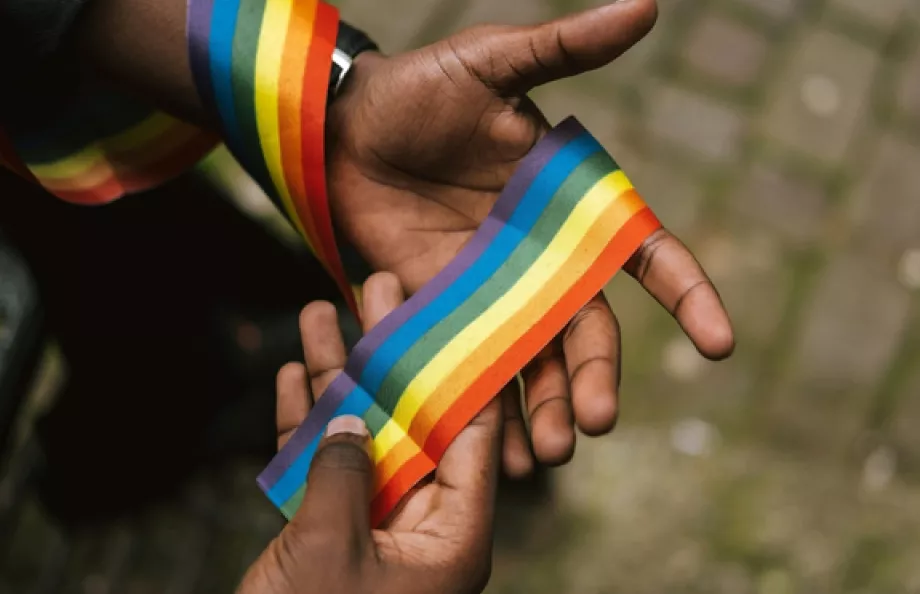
<point>256,73</point>
<point>141,46</point>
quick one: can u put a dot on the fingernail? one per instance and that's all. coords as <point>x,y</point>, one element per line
<point>346,424</point>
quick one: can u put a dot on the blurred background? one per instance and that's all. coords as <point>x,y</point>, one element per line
<point>779,138</point>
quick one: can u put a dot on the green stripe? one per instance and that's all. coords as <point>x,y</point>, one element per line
<point>563,202</point>
<point>290,506</point>
<point>375,419</point>
<point>245,48</point>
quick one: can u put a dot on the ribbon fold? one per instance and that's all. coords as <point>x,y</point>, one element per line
<point>263,66</point>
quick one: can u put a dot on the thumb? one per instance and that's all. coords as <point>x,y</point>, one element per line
<point>339,485</point>
<point>517,59</point>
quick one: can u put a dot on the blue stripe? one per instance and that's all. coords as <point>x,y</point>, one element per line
<point>356,403</point>
<point>223,27</point>
<point>523,219</point>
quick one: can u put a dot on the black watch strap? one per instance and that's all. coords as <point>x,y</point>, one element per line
<point>349,43</point>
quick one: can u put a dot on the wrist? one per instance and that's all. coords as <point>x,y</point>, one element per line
<point>351,44</point>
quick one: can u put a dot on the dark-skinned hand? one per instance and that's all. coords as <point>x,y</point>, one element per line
<point>439,541</point>
<point>420,146</point>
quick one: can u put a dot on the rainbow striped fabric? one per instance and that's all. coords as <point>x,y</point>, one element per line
<point>263,66</point>
<point>101,145</point>
<point>565,223</point>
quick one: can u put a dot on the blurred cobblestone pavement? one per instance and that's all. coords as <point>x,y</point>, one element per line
<point>781,139</point>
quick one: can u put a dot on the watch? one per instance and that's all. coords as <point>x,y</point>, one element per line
<point>349,43</point>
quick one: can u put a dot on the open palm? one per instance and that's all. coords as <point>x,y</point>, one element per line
<point>420,147</point>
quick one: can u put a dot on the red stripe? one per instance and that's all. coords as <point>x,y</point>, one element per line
<point>143,177</point>
<point>313,116</point>
<point>414,470</point>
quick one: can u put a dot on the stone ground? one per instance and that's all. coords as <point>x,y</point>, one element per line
<point>781,139</point>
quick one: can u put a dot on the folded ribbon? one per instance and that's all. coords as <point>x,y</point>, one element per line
<point>566,222</point>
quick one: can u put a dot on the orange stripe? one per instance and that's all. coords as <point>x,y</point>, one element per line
<point>151,174</point>
<point>410,473</point>
<point>474,398</point>
<point>387,468</point>
<point>118,163</point>
<point>618,212</point>
<point>290,94</point>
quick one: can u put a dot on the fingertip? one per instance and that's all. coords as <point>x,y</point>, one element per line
<point>719,344</point>
<point>382,293</point>
<point>555,449</point>
<point>704,319</point>
<point>711,331</point>
<point>382,283</point>
<point>598,415</point>
<point>517,460</point>
<point>553,435</point>
<point>318,313</point>
<point>291,372</point>
<point>644,13</point>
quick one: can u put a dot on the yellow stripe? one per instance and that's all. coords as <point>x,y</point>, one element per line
<point>87,158</point>
<point>558,254</point>
<point>115,167</point>
<point>269,55</point>
<point>389,436</point>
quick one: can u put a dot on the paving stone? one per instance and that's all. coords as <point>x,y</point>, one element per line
<point>790,207</point>
<point>705,127</point>
<point>394,28</point>
<point>752,281</point>
<point>909,86</point>
<point>822,95</point>
<point>674,194</point>
<point>880,13</point>
<point>561,99</point>
<point>780,9</point>
<point>904,420</point>
<point>726,50</point>
<point>886,202</point>
<point>854,325</point>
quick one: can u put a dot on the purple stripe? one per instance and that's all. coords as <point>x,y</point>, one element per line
<point>314,425</point>
<point>510,197</point>
<point>198,35</point>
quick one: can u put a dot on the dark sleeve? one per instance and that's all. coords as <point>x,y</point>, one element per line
<point>31,30</point>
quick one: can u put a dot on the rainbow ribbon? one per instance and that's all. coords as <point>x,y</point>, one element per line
<point>264,66</point>
<point>566,222</point>
<point>101,145</point>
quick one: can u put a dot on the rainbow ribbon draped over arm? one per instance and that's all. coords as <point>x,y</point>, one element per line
<point>261,65</point>
<point>95,145</point>
<point>563,226</point>
<point>264,66</point>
